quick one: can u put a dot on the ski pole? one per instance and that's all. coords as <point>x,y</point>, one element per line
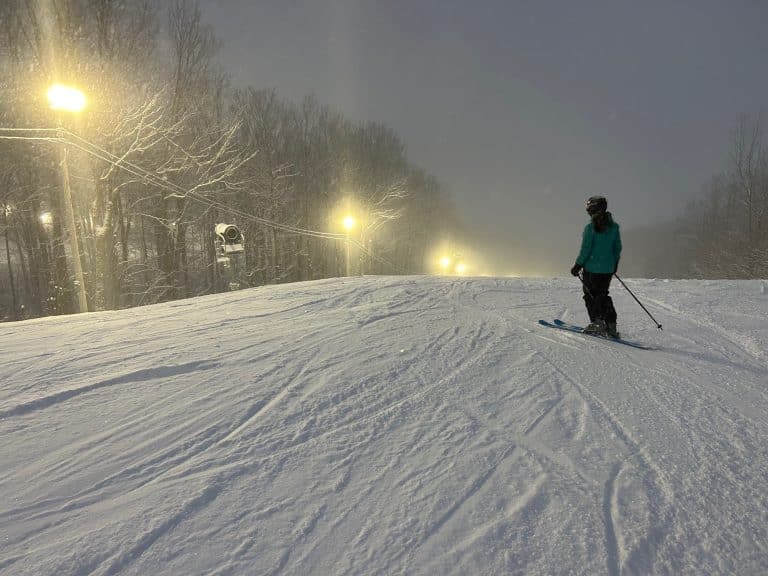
<point>638,301</point>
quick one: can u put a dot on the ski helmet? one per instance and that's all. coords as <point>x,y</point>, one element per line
<point>596,204</point>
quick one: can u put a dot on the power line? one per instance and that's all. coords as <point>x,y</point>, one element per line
<point>170,186</point>
<point>119,162</point>
<point>155,180</point>
<point>102,154</point>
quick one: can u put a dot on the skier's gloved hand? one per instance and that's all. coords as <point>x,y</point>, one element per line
<point>576,269</point>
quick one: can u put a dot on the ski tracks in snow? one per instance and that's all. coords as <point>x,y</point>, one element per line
<point>674,415</point>
<point>636,464</point>
<point>393,426</point>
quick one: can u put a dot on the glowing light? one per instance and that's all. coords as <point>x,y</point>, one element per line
<point>46,218</point>
<point>349,222</point>
<point>445,262</point>
<point>461,268</point>
<point>66,98</point>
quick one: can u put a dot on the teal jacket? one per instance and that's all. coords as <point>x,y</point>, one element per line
<point>600,251</point>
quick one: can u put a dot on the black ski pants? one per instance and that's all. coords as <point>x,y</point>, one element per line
<point>599,304</point>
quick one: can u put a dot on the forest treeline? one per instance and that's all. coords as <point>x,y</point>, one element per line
<point>164,150</point>
<point>723,232</point>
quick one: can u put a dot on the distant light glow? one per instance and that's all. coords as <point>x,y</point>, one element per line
<point>66,98</point>
<point>450,259</point>
<point>46,218</point>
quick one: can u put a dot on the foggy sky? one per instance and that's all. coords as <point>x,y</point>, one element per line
<point>523,109</point>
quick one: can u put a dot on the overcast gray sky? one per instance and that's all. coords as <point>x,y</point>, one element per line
<point>523,109</point>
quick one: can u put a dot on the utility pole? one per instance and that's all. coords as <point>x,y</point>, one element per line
<point>71,227</point>
<point>10,266</point>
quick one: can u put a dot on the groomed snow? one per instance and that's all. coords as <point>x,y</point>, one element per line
<point>399,425</point>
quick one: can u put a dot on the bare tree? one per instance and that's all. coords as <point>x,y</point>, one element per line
<point>164,151</point>
<point>749,178</point>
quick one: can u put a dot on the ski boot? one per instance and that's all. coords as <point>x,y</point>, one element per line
<point>611,330</point>
<point>597,327</point>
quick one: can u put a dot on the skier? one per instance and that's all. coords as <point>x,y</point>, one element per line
<point>599,260</point>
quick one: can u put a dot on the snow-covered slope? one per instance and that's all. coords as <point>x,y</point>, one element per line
<point>401,425</point>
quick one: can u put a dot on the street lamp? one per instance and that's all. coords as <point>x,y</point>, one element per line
<point>68,99</point>
<point>349,224</point>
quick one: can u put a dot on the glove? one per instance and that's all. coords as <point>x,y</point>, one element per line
<point>576,269</point>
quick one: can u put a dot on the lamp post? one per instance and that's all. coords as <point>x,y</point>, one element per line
<point>349,224</point>
<point>67,99</point>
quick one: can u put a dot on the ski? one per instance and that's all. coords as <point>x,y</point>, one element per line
<point>560,325</point>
